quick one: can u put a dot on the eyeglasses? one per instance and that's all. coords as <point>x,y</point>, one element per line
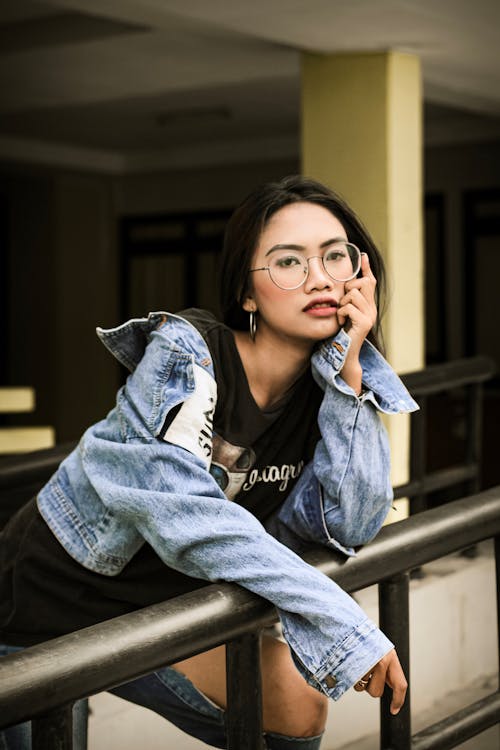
<point>289,269</point>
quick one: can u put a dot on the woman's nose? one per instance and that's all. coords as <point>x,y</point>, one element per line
<point>317,277</point>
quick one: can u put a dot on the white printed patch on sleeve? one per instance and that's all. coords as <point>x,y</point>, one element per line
<point>192,427</point>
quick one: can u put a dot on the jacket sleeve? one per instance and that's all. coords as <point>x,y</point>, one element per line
<point>165,490</point>
<point>344,494</point>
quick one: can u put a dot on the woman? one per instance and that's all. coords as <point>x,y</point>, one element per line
<point>276,410</point>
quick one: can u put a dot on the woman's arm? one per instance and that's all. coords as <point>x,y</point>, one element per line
<point>141,468</point>
<point>357,314</point>
<point>170,497</point>
<point>143,472</point>
<point>344,494</point>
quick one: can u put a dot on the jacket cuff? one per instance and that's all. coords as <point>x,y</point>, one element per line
<point>382,385</point>
<point>351,660</point>
<point>335,350</point>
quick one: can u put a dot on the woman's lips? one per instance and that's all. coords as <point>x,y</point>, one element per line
<point>321,308</point>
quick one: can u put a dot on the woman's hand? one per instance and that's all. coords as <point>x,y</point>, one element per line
<point>357,313</point>
<point>387,671</point>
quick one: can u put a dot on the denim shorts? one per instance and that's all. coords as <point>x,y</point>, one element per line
<point>170,694</point>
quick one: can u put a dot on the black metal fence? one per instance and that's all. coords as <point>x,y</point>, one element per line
<point>469,376</point>
<point>22,476</point>
<point>42,682</point>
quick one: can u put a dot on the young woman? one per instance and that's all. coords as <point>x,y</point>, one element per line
<point>232,447</point>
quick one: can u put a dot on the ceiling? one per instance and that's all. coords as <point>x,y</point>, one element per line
<point>132,85</point>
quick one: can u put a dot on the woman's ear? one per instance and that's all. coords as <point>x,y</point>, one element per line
<point>249,304</point>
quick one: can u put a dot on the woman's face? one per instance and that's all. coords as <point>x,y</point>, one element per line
<point>309,313</point>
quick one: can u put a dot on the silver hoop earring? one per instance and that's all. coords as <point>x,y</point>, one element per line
<point>253,325</point>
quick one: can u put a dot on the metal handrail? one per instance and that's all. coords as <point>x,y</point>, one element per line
<point>449,375</point>
<point>51,674</point>
<point>469,374</point>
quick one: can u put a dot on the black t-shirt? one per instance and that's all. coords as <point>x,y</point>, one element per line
<point>257,458</point>
<point>257,455</point>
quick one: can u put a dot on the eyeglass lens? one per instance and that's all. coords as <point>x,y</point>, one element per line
<point>289,269</point>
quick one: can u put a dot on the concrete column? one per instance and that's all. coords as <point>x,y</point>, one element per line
<point>362,135</point>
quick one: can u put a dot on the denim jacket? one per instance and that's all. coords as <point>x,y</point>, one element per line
<point>142,474</point>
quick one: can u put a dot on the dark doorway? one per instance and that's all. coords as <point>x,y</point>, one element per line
<point>4,289</point>
<point>435,292</point>
<point>481,284</point>
<point>482,273</point>
<point>169,261</point>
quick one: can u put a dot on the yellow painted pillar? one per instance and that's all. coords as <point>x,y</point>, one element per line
<point>362,135</point>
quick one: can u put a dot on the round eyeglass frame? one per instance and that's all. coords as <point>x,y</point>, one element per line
<point>306,270</point>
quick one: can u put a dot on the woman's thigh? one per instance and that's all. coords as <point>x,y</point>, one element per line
<point>290,706</point>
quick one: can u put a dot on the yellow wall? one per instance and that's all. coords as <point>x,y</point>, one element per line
<point>362,135</point>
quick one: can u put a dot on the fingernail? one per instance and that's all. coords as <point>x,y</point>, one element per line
<point>394,711</point>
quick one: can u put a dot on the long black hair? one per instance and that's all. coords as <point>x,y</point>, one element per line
<point>245,226</point>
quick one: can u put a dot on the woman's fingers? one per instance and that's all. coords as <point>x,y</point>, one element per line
<point>387,671</point>
<point>366,283</point>
<point>362,684</point>
<point>376,686</point>
<point>358,299</point>
<point>366,270</point>
<point>361,312</point>
<point>357,311</point>
<point>361,291</point>
<point>396,680</point>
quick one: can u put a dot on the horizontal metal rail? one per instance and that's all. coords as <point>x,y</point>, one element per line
<point>437,480</point>
<point>468,375</point>
<point>60,671</point>
<point>460,726</point>
<point>450,375</point>
<point>49,677</point>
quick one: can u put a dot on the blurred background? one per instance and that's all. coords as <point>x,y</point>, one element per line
<point>129,130</point>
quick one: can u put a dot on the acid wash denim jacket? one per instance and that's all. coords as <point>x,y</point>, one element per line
<point>141,474</point>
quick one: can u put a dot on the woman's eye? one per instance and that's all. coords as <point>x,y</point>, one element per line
<point>336,254</point>
<point>288,261</point>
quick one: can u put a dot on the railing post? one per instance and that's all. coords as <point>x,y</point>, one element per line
<point>244,694</point>
<point>474,434</point>
<point>54,730</point>
<point>418,459</point>
<point>395,731</point>
<point>497,567</point>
